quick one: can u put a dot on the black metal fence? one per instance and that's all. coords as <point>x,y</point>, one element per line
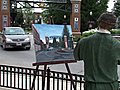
<point>21,78</point>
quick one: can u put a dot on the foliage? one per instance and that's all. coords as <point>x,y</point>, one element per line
<point>115,31</point>
<point>45,14</point>
<point>96,7</point>
<point>28,15</point>
<point>19,19</point>
<point>92,31</point>
<point>118,22</point>
<point>23,18</point>
<point>117,8</point>
<point>54,42</point>
<point>76,38</point>
<point>88,33</point>
<point>65,33</point>
<point>55,16</point>
<point>116,11</point>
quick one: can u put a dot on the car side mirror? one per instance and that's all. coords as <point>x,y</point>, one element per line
<point>27,33</point>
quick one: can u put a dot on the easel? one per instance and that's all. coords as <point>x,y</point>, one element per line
<point>45,69</point>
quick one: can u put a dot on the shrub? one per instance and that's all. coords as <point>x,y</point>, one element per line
<point>88,33</point>
<point>92,31</point>
<point>115,31</point>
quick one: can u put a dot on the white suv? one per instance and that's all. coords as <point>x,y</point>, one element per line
<point>14,37</point>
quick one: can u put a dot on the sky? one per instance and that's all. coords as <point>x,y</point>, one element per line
<point>54,30</point>
<point>110,5</point>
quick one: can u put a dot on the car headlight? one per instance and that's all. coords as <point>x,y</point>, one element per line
<point>27,39</point>
<point>8,40</point>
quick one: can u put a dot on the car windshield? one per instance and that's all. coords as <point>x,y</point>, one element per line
<point>14,31</point>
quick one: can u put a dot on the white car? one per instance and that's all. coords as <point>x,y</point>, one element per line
<point>14,37</point>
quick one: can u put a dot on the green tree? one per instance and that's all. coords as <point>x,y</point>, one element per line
<point>28,17</point>
<point>96,7</point>
<point>19,19</point>
<point>55,13</point>
<point>116,11</point>
<point>54,42</point>
<point>117,8</point>
<point>65,33</point>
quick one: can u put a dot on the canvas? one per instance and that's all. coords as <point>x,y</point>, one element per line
<point>52,42</point>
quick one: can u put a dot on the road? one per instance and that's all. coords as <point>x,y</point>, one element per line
<point>54,55</point>
<point>25,58</point>
<point>17,57</point>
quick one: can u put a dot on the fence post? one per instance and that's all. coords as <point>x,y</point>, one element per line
<point>48,79</point>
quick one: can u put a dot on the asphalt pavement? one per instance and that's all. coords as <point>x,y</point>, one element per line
<point>76,68</point>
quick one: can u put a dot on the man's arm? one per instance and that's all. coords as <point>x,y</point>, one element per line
<point>118,55</point>
<point>117,51</point>
<point>78,51</point>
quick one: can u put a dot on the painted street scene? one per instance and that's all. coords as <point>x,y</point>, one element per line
<point>53,42</point>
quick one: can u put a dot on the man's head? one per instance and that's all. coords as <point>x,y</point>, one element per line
<point>107,21</point>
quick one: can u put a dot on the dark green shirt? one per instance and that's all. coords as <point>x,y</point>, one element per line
<point>101,53</point>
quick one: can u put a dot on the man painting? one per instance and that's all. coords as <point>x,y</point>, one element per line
<point>100,53</point>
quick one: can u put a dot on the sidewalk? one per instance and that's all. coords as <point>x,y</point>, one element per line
<point>61,68</point>
<point>4,88</point>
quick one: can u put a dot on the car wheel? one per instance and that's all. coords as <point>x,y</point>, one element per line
<point>27,48</point>
<point>1,46</point>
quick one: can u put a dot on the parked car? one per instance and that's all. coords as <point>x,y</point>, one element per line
<point>14,37</point>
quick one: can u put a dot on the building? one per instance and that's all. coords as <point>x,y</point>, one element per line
<point>4,13</point>
<point>75,20</point>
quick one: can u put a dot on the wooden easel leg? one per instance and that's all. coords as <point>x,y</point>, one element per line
<point>48,78</point>
<point>43,79</point>
<point>70,75</point>
<point>33,83</point>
